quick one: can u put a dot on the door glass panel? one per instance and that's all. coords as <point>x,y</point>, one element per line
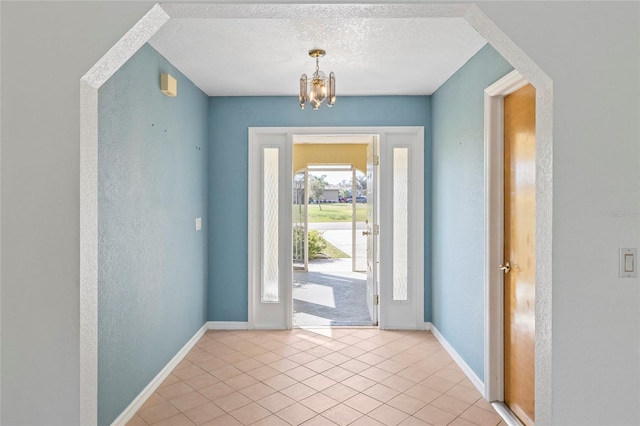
<point>400,223</point>
<point>270,219</point>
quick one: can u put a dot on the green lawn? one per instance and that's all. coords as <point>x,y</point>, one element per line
<point>331,212</point>
<point>333,252</point>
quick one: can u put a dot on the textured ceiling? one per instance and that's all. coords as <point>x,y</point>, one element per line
<point>266,56</point>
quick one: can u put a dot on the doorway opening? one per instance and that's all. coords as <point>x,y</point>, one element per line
<point>329,247</point>
<point>396,221</point>
<point>510,283</point>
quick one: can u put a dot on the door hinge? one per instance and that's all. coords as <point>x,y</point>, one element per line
<point>376,229</point>
<point>376,299</point>
<point>376,160</point>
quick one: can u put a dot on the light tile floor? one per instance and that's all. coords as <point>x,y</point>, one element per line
<point>339,376</point>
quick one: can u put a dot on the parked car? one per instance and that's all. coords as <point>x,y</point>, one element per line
<point>358,200</point>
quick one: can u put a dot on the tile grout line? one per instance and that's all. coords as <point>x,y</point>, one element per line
<point>302,336</point>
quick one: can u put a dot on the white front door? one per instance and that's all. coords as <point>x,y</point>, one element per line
<point>398,191</point>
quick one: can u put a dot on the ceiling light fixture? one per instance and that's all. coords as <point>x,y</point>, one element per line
<point>319,87</point>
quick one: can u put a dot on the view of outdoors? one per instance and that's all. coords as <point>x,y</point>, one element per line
<point>330,208</point>
<point>332,290</point>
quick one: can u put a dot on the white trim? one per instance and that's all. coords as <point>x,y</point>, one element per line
<point>494,231</point>
<point>458,359</point>
<point>286,220</point>
<point>507,415</point>
<point>254,193</point>
<point>227,325</point>
<point>388,307</point>
<point>402,327</point>
<point>0,228</point>
<point>268,315</point>
<point>427,326</point>
<point>494,238</point>
<point>253,228</point>
<point>126,47</point>
<point>88,254</point>
<point>142,397</point>
<point>507,84</point>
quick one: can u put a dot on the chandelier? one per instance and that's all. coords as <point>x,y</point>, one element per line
<point>319,87</point>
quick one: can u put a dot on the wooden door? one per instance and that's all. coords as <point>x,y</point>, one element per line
<point>519,234</point>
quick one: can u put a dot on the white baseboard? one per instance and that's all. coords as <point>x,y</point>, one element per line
<point>458,359</point>
<point>401,327</point>
<point>227,325</point>
<point>427,326</point>
<point>142,397</point>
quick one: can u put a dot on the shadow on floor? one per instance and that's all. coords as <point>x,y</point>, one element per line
<point>330,298</point>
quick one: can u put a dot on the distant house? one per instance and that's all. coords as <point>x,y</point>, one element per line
<point>330,195</point>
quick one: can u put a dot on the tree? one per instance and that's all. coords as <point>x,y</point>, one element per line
<point>317,185</point>
<point>298,186</point>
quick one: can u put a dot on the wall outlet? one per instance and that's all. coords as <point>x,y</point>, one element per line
<point>198,223</point>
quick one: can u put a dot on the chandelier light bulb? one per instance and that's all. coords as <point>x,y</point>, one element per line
<point>318,92</point>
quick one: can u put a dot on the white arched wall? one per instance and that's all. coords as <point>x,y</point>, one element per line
<point>159,15</point>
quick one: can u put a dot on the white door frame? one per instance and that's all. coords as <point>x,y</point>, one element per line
<point>254,217</point>
<point>494,232</point>
<point>273,316</point>
<point>394,314</point>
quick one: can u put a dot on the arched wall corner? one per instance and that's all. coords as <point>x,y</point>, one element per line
<point>544,197</point>
<point>159,15</point>
<point>90,83</point>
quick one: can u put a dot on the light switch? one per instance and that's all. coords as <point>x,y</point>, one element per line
<point>628,263</point>
<point>628,268</point>
<point>198,223</point>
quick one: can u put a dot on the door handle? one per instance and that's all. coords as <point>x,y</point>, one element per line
<point>365,233</point>
<point>506,267</point>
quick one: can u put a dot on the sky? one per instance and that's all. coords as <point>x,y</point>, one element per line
<point>335,178</point>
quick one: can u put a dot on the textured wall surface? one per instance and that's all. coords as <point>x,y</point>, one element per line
<point>596,199</point>
<point>40,201</point>
<point>152,179</point>
<point>458,205</point>
<point>589,49</point>
<point>228,157</point>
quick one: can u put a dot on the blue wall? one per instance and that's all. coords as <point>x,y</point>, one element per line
<point>228,157</point>
<point>458,204</point>
<point>152,180</point>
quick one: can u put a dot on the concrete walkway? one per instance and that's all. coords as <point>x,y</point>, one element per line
<point>339,234</point>
<point>330,293</point>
